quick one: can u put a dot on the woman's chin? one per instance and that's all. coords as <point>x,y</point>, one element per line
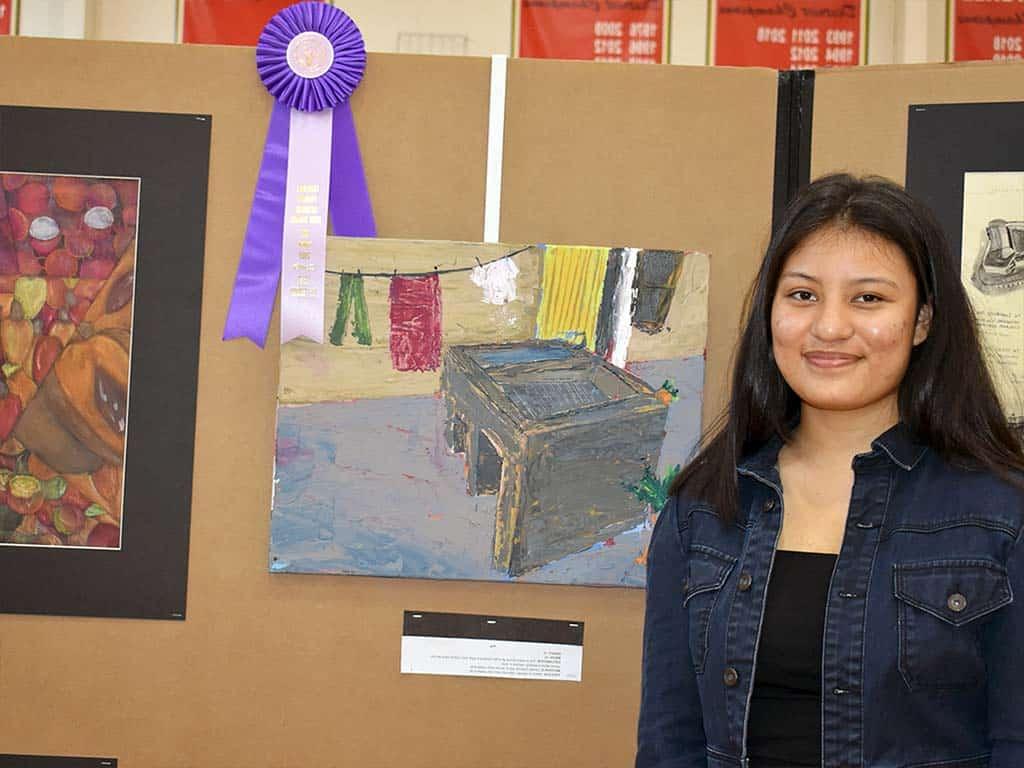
<point>837,401</point>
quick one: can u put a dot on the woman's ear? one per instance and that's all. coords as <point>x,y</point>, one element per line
<point>924,323</point>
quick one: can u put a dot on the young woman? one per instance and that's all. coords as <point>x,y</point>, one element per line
<point>833,580</point>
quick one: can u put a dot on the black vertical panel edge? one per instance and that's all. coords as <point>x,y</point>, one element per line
<point>793,124</point>
<point>802,132</point>
<point>780,188</point>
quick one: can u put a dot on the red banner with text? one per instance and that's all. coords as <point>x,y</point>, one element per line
<point>987,30</point>
<point>594,30</point>
<point>228,22</point>
<point>6,16</point>
<point>798,34</point>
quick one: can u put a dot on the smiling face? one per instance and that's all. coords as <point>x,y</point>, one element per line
<point>845,318</point>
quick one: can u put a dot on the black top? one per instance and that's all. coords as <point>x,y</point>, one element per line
<point>784,729</point>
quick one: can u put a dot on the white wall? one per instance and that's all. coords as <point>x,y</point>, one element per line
<point>52,18</point>
<point>688,31</point>
<point>150,21</point>
<point>483,26</point>
<point>906,31</point>
<point>900,31</point>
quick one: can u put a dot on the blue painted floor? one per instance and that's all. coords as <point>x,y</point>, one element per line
<point>369,487</point>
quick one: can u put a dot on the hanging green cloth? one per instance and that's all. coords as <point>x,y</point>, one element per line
<point>351,297</point>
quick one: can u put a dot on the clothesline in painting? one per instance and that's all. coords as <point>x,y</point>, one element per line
<point>590,296</point>
<point>435,270</point>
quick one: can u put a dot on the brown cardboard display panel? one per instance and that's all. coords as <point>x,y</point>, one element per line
<point>274,670</point>
<point>860,115</point>
<point>671,157</point>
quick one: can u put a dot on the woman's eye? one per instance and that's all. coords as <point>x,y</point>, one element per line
<point>801,295</point>
<point>869,298</point>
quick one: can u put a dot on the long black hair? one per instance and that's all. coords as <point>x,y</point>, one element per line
<point>946,397</point>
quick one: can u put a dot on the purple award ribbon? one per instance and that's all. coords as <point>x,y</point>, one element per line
<point>311,57</point>
<point>351,213</point>
<point>305,227</point>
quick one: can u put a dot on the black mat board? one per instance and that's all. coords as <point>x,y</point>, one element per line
<point>42,761</point>
<point>146,577</point>
<point>945,141</point>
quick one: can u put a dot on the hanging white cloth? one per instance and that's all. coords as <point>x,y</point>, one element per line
<point>498,281</point>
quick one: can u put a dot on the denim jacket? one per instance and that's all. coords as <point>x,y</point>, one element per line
<point>923,649</point>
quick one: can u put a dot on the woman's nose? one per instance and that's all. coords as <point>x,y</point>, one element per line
<point>832,321</point>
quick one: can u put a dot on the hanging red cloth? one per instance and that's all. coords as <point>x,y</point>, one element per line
<point>415,323</point>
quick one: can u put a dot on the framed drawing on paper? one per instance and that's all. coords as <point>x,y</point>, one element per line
<point>965,162</point>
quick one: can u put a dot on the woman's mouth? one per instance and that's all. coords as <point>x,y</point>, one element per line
<point>830,359</point>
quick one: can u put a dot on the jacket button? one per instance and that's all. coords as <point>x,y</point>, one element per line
<point>956,602</point>
<point>769,505</point>
<point>730,677</point>
<point>744,582</point>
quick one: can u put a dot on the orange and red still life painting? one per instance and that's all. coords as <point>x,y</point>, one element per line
<point>67,271</point>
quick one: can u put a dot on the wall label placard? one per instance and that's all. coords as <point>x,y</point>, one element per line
<point>470,645</point>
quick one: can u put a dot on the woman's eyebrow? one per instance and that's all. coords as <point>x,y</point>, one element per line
<point>883,280</point>
<point>800,276</point>
<point>857,281</point>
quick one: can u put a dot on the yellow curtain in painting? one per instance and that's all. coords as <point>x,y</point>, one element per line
<point>571,293</point>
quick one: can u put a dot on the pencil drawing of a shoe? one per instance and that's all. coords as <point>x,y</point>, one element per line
<point>1000,264</point>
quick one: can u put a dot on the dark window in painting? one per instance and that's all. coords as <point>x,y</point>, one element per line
<point>657,273</point>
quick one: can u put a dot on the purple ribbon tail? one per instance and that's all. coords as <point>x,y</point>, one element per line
<point>252,300</point>
<point>349,204</point>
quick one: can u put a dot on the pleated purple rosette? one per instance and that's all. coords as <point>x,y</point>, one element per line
<point>311,94</point>
<point>311,57</point>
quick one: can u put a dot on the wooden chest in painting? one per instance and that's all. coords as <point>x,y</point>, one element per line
<point>560,435</point>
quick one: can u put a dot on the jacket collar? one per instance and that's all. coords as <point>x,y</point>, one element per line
<point>897,443</point>
<point>901,445</point>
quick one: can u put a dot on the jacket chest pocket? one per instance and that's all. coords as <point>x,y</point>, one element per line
<point>706,571</point>
<point>940,602</point>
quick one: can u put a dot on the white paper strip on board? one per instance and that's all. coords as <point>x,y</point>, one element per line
<point>473,657</point>
<point>475,645</point>
<point>495,148</point>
